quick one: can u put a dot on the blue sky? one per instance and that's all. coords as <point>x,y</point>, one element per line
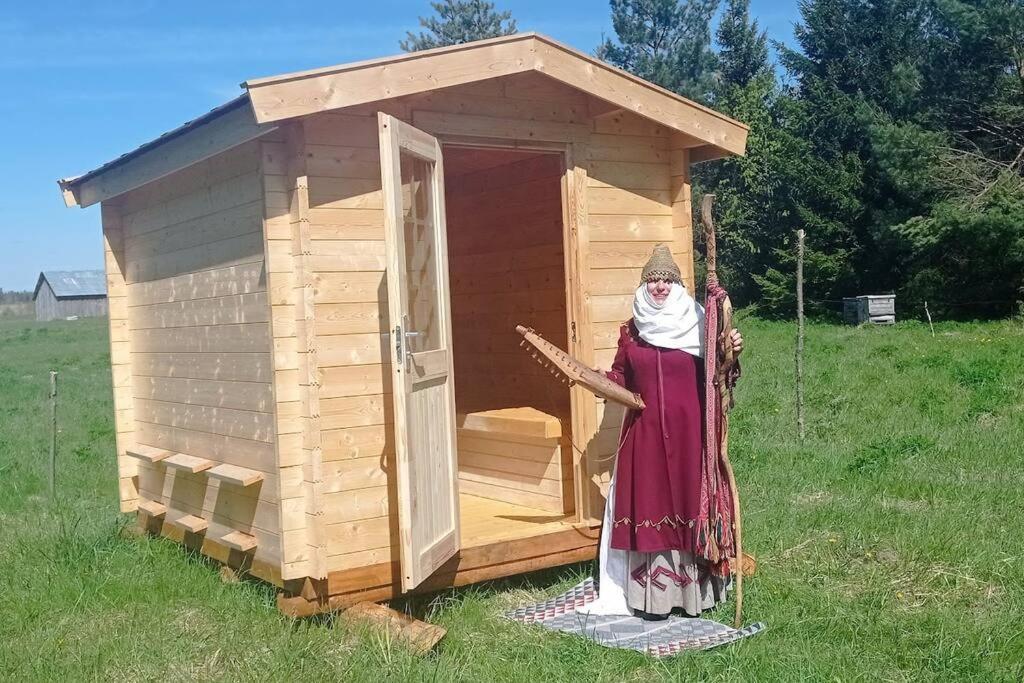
<point>88,81</point>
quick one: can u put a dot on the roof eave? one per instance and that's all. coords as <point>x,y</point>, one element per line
<point>93,186</point>
<point>388,77</point>
<point>309,92</point>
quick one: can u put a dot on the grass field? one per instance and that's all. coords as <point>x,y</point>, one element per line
<point>889,543</point>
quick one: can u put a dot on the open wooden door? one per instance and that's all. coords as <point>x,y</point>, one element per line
<point>420,347</point>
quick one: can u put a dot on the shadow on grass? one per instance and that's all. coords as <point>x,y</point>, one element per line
<point>422,606</point>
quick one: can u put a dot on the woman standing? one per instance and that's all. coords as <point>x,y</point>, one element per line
<point>648,561</point>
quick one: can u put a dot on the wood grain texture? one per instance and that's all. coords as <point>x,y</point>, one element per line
<point>349,85</point>
<point>120,353</point>
<point>197,327</point>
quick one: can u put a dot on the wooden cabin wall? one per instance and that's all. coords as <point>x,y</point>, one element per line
<point>630,198</point>
<point>191,345</point>
<point>507,267</point>
<point>638,196</point>
<point>290,281</point>
<point>346,226</point>
<point>46,303</point>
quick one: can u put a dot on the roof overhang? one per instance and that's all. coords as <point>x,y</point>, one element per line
<point>227,126</point>
<point>308,92</point>
<point>270,100</point>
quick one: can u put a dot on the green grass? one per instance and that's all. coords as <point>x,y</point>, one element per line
<point>889,542</point>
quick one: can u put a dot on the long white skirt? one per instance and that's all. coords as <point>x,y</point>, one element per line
<point>654,583</point>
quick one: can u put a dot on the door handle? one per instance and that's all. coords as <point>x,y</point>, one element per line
<point>408,334</point>
<point>399,351</point>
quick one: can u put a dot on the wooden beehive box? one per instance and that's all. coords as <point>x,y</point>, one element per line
<point>309,284</point>
<point>879,309</point>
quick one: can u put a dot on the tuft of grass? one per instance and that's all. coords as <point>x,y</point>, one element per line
<point>888,541</point>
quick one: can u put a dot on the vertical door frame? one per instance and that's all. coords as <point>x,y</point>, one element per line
<point>576,249</point>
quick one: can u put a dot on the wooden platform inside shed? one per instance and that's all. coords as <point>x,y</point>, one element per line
<point>485,521</point>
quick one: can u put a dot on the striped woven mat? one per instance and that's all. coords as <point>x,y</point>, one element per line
<point>656,638</point>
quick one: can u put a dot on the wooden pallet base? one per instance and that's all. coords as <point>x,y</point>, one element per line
<point>381,582</point>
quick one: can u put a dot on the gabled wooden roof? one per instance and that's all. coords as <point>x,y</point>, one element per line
<point>308,92</point>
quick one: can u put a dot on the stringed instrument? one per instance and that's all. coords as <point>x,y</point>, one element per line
<point>569,370</point>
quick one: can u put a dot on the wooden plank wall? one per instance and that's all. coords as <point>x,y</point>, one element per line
<point>188,298</point>
<point>120,355</point>
<point>49,307</point>
<point>507,268</point>
<point>295,359</point>
<point>638,197</point>
<point>46,303</point>
<point>349,293</point>
<point>624,163</point>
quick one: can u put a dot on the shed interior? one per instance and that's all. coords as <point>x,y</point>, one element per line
<point>506,267</point>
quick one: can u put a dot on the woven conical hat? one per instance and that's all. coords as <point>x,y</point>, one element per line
<point>661,266</point>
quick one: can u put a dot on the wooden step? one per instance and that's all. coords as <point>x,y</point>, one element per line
<point>153,508</point>
<point>191,523</point>
<point>149,453</point>
<point>512,422</point>
<point>233,474</point>
<point>236,540</point>
<point>189,463</point>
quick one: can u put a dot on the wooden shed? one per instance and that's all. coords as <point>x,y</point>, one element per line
<point>313,294</point>
<point>63,294</point>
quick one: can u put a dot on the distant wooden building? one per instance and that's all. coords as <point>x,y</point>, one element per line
<point>62,294</point>
<point>314,293</point>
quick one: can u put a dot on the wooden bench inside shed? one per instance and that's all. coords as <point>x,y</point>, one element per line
<point>515,455</point>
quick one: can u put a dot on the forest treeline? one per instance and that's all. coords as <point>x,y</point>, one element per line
<point>892,132</point>
<point>14,297</point>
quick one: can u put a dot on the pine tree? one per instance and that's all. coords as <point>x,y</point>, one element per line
<point>459,21</point>
<point>922,103</point>
<point>746,187</point>
<point>743,47</point>
<point>667,42</point>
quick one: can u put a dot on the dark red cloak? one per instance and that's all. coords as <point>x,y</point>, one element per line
<point>658,473</point>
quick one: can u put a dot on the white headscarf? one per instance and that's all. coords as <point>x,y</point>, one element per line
<point>678,323</point>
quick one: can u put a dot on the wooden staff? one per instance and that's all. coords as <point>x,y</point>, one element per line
<point>726,402</point>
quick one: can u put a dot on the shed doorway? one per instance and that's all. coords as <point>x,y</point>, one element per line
<point>506,260</point>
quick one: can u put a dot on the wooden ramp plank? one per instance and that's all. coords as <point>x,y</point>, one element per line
<point>152,508</point>
<point>419,636</point>
<point>189,463</point>
<point>236,540</point>
<point>233,474</point>
<point>149,453</point>
<point>191,523</point>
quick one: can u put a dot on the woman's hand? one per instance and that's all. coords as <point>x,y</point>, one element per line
<point>736,339</point>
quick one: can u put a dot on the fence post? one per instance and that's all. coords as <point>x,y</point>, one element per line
<point>800,333</point>
<point>53,435</point>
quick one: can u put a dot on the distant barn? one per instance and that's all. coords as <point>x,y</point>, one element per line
<point>64,294</point>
